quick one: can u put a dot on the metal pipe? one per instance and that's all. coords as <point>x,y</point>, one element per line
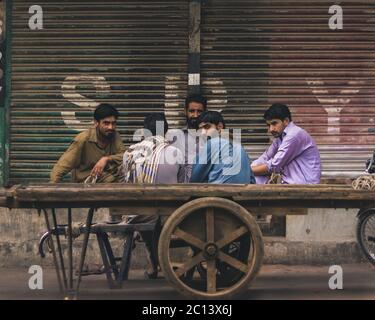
<point>70,249</point>
<point>54,253</point>
<point>87,230</point>
<point>59,248</point>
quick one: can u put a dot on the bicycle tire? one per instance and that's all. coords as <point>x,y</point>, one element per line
<point>365,241</point>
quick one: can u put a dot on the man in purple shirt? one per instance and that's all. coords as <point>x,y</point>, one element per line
<point>293,153</point>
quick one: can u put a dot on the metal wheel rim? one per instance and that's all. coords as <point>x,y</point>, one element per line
<point>366,243</point>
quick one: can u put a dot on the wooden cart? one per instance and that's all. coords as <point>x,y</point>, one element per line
<point>220,247</point>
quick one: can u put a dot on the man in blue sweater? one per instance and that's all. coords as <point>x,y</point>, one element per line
<point>220,160</point>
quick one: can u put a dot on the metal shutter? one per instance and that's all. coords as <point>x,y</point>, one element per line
<point>132,54</point>
<point>255,53</point>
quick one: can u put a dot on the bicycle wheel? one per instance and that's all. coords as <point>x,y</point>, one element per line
<point>366,235</point>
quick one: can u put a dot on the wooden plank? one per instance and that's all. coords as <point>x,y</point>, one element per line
<point>140,209</point>
<point>250,196</point>
<point>6,196</point>
<point>3,197</point>
<point>277,211</point>
<point>184,192</point>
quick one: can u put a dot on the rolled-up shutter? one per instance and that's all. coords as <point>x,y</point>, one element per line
<point>255,53</point>
<point>132,54</point>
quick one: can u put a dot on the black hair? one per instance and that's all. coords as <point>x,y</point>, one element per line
<point>196,98</point>
<point>213,117</point>
<point>151,120</point>
<point>105,110</point>
<point>277,111</point>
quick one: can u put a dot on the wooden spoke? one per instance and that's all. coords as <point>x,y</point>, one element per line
<point>231,237</point>
<point>211,276</point>
<point>210,225</point>
<point>189,264</point>
<point>190,239</point>
<point>233,262</point>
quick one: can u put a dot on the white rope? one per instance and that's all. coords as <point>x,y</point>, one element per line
<point>91,179</point>
<point>275,178</point>
<point>365,182</point>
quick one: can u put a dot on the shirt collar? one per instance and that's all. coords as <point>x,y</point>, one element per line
<point>287,129</point>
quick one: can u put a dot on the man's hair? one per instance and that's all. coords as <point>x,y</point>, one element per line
<point>213,117</point>
<point>277,111</point>
<point>196,98</point>
<point>150,122</point>
<point>105,110</point>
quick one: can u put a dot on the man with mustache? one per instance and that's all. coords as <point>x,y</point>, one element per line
<point>95,153</point>
<point>187,140</point>
<point>293,153</point>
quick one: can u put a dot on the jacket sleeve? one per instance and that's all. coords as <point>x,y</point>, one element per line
<point>267,155</point>
<point>289,149</point>
<point>67,162</point>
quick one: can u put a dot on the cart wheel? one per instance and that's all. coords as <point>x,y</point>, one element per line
<point>366,234</point>
<point>226,275</point>
<point>227,248</point>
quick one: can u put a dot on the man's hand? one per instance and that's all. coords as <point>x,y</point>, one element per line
<point>99,167</point>
<point>260,170</point>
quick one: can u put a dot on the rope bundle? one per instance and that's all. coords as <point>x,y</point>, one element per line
<point>366,182</point>
<point>275,178</point>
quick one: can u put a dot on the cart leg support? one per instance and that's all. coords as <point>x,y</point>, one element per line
<point>84,248</point>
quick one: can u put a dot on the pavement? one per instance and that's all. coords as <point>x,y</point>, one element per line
<point>274,282</point>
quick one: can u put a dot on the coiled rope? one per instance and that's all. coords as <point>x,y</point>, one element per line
<point>366,182</point>
<point>275,178</point>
